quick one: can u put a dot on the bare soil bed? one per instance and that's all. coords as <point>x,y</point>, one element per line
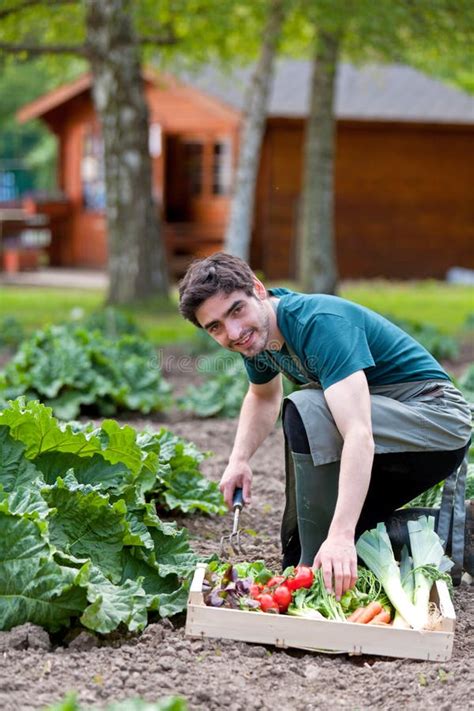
<point>35,671</point>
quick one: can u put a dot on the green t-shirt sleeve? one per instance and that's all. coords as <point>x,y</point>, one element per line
<point>259,371</point>
<point>334,348</point>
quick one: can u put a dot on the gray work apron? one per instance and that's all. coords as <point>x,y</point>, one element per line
<point>428,415</point>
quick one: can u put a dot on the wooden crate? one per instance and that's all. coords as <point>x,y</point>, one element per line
<point>321,636</point>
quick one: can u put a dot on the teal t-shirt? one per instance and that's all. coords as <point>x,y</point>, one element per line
<point>333,338</point>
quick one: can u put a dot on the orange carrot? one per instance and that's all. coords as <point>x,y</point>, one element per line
<point>356,614</point>
<point>369,612</point>
<point>383,618</point>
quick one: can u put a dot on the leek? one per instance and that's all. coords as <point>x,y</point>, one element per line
<point>406,575</point>
<point>429,562</point>
<point>375,549</point>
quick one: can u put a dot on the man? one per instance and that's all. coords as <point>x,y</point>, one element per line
<point>376,423</point>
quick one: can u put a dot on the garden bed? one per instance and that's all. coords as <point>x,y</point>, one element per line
<point>210,673</point>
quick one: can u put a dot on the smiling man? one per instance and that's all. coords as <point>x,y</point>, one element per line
<point>376,421</point>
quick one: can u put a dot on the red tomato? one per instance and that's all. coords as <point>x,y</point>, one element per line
<point>303,578</point>
<point>255,590</point>
<point>267,603</point>
<point>282,597</point>
<point>277,580</point>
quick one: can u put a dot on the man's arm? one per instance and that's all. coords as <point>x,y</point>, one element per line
<point>258,415</point>
<point>349,402</point>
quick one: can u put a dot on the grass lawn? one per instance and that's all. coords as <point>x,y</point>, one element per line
<point>35,307</point>
<point>446,306</point>
<point>443,305</point>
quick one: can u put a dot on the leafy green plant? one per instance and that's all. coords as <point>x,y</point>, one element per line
<point>466,383</point>
<point>222,393</point>
<point>179,484</point>
<point>432,497</point>
<point>168,703</point>
<point>80,535</point>
<point>73,369</point>
<point>112,323</point>
<point>224,388</point>
<point>11,332</point>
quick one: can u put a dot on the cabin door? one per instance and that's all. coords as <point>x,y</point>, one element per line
<point>197,178</point>
<point>184,178</point>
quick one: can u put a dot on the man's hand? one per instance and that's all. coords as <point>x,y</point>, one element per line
<point>338,559</point>
<point>236,475</point>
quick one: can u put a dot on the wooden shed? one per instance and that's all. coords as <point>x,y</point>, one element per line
<point>404,175</point>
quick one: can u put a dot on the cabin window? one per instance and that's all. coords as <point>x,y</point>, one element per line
<point>194,155</point>
<point>222,167</point>
<point>92,170</point>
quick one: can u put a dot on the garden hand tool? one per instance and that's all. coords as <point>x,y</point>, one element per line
<point>232,541</point>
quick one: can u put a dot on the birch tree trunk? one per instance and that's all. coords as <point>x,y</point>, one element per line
<point>239,229</point>
<point>317,269</point>
<point>137,265</point>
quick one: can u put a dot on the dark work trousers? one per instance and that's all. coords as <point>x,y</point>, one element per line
<point>396,478</point>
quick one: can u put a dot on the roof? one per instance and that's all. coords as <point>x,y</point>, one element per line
<point>56,97</point>
<point>50,101</point>
<point>371,92</point>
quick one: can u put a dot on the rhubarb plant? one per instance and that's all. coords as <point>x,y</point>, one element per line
<point>80,534</point>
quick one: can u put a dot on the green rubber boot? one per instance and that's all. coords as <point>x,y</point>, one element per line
<point>316,495</point>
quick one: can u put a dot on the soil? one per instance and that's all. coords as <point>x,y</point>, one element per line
<point>36,671</point>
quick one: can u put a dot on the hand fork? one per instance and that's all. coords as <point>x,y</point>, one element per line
<point>232,541</point>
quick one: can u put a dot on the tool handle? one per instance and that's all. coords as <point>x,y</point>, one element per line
<point>237,499</point>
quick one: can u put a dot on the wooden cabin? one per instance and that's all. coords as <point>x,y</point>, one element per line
<point>404,174</point>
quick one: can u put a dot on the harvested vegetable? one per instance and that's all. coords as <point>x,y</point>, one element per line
<point>382,618</point>
<point>267,603</point>
<point>375,549</point>
<point>316,599</point>
<point>356,615</point>
<point>370,612</point>
<point>302,578</point>
<point>408,584</point>
<point>429,562</point>
<point>379,593</point>
<point>366,590</point>
<point>410,598</point>
<point>282,597</point>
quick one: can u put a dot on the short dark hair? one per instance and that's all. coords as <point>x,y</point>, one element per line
<point>206,277</point>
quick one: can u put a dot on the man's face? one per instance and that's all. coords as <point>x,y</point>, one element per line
<point>236,321</point>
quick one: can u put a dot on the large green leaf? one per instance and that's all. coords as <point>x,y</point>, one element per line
<point>85,524</point>
<point>119,445</point>
<point>172,550</point>
<point>33,424</point>
<point>33,588</point>
<point>187,490</point>
<point>25,500</point>
<point>112,605</point>
<point>15,469</point>
<point>169,604</point>
<point>136,566</point>
<point>111,478</point>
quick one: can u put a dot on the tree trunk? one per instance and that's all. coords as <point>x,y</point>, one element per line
<point>137,264</point>
<point>316,253</point>
<point>239,229</point>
